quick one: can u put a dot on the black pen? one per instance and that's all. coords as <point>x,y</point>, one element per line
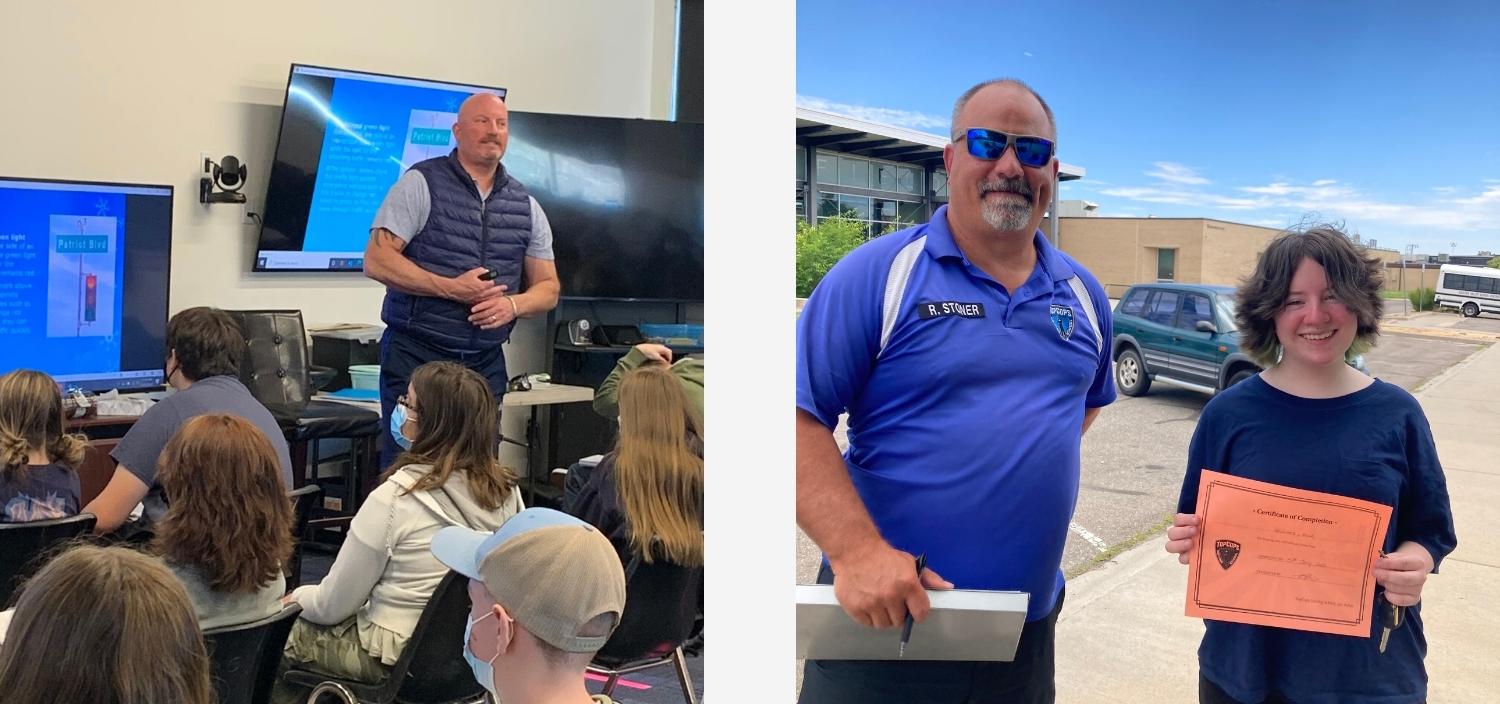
<point>906,627</point>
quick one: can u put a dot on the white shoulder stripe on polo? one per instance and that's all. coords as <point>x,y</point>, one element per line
<point>895,288</point>
<point>1087,302</point>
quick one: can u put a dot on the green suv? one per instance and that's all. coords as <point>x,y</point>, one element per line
<point>1179,334</point>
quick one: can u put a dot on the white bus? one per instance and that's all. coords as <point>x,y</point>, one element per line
<point>1470,289</point>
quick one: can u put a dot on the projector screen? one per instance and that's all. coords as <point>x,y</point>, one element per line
<point>84,268</point>
<point>345,138</point>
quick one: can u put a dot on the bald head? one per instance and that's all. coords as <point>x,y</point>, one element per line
<point>482,130</point>
<point>1011,88</point>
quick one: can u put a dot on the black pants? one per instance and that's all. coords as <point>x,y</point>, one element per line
<point>400,355</point>
<point>1210,693</point>
<point>1028,679</point>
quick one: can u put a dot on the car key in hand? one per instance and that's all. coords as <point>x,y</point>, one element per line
<point>1392,617</point>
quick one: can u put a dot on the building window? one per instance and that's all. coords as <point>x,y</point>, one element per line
<point>909,180</point>
<point>828,168</point>
<point>801,164</point>
<point>940,184</point>
<point>1166,264</point>
<point>854,172</point>
<point>882,176</point>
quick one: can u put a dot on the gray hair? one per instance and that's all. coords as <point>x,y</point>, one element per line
<point>963,100</point>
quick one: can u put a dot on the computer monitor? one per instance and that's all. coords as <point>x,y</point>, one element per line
<point>84,273</point>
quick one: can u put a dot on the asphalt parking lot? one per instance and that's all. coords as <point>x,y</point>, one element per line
<point>1133,455</point>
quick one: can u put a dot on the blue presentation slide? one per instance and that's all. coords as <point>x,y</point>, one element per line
<point>374,132</point>
<point>60,274</point>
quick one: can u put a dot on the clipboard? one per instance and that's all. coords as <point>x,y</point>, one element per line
<point>965,624</point>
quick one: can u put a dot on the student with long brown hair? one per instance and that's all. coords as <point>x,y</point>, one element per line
<point>38,461</point>
<point>357,621</point>
<point>228,527</point>
<point>104,625</point>
<point>650,488</point>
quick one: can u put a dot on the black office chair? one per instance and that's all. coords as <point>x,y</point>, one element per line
<point>25,547</point>
<point>275,368</point>
<point>243,658</point>
<point>431,670</point>
<point>661,606</point>
<point>303,502</point>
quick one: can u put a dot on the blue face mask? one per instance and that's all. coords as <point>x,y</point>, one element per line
<point>398,420</point>
<point>484,672</point>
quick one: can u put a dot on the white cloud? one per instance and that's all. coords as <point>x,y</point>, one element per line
<point>1324,182</point>
<point>1177,173</point>
<point>1028,54</point>
<point>886,116</point>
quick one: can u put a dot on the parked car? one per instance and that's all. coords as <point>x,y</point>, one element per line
<point>1184,335</point>
<point>1180,334</point>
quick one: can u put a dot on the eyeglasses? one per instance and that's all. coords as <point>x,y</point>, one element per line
<point>403,401</point>
<point>990,145</point>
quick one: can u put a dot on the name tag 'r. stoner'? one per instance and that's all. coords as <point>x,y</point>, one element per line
<point>938,309</point>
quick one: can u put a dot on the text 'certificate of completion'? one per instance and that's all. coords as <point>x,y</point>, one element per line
<point>1270,555</point>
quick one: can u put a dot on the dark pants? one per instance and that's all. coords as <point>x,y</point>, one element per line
<point>400,355</point>
<point>1028,679</point>
<point>578,475</point>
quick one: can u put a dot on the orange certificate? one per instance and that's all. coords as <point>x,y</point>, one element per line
<point>1270,555</point>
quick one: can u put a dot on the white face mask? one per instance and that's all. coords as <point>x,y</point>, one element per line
<point>484,670</point>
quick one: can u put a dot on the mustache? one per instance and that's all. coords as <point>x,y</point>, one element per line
<point>1015,185</point>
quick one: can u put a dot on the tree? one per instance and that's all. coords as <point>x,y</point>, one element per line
<point>1493,263</point>
<point>821,246</point>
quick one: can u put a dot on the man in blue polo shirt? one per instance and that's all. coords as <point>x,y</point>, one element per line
<point>970,356</point>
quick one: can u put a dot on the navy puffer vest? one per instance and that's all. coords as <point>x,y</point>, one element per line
<point>461,233</point>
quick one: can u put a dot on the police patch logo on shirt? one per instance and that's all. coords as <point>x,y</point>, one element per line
<point>1062,319</point>
<point>938,309</point>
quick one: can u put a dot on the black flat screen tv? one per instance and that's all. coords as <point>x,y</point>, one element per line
<point>624,198</point>
<point>345,138</point>
<point>84,274</point>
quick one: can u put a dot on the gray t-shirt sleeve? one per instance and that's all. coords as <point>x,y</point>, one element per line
<point>143,443</point>
<point>541,233</point>
<point>405,208</point>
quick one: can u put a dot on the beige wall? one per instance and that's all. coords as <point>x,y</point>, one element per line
<point>1231,250</point>
<point>133,91</point>
<point>1398,278</point>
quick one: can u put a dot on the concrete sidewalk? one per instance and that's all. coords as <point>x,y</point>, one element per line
<point>1122,635</point>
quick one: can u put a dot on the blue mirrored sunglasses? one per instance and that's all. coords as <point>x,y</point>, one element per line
<point>990,145</point>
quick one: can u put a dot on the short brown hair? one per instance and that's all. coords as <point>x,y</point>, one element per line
<point>103,624</point>
<point>228,514</point>
<point>958,105</point>
<point>1354,278</point>
<point>207,342</point>
<point>458,429</point>
<point>31,418</point>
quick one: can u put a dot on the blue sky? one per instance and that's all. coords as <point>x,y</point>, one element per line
<point>1382,115</point>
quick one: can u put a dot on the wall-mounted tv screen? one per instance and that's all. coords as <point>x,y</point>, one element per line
<point>345,138</point>
<point>84,271</point>
<point>624,199</point>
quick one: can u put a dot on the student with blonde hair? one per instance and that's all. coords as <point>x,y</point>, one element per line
<point>647,494</point>
<point>38,461</point>
<point>104,625</point>
<point>228,527</point>
<point>357,621</point>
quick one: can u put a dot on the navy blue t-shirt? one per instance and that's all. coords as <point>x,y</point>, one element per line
<point>39,493</point>
<point>1374,444</point>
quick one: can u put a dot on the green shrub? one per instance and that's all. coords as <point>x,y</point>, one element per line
<point>1421,298</point>
<point>820,247</point>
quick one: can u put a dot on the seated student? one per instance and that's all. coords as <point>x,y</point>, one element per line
<point>38,462</point>
<point>104,625</point>
<point>651,485</point>
<point>203,361</point>
<point>228,528</point>
<point>547,592</point>
<point>357,621</point>
<point>687,370</point>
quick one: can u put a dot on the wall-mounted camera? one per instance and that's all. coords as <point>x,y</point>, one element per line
<point>227,176</point>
